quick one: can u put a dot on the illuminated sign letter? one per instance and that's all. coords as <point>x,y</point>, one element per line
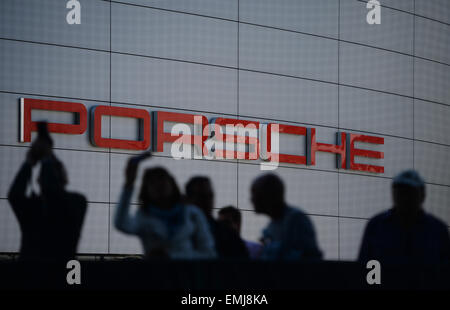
<point>351,139</point>
<point>27,125</point>
<point>237,132</point>
<point>339,148</point>
<point>144,128</point>
<point>285,129</point>
<point>160,137</point>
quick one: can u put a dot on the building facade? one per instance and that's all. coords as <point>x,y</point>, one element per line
<point>312,63</point>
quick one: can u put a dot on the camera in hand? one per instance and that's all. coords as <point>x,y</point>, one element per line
<point>43,133</point>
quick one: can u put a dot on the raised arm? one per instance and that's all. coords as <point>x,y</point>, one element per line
<point>16,194</point>
<point>123,220</point>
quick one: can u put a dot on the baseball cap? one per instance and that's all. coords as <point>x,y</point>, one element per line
<point>409,178</point>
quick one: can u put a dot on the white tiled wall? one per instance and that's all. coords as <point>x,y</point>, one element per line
<point>432,40</point>
<point>373,111</point>
<point>173,84</point>
<point>44,21</point>
<point>173,35</point>
<point>312,16</point>
<point>376,69</point>
<point>431,81</point>
<point>288,53</point>
<point>394,33</point>
<point>434,9</point>
<point>51,70</point>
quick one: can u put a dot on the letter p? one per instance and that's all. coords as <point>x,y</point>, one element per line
<point>27,125</point>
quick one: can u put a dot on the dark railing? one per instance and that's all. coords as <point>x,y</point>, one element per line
<point>220,275</point>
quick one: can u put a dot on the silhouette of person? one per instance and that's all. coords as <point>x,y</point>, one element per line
<point>166,227</point>
<point>51,221</point>
<point>290,234</point>
<point>406,233</point>
<point>231,216</point>
<point>228,243</point>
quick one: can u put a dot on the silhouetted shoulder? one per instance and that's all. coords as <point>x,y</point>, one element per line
<point>77,199</point>
<point>299,220</point>
<point>435,222</point>
<point>431,220</point>
<point>193,211</point>
<point>298,215</point>
<point>379,218</point>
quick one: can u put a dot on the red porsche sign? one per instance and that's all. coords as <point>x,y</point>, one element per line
<point>254,139</point>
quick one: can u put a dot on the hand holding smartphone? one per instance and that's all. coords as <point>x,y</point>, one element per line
<point>42,145</point>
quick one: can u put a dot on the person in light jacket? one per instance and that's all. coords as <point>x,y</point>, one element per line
<point>167,227</point>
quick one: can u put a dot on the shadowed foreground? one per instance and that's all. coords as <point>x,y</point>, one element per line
<point>219,275</point>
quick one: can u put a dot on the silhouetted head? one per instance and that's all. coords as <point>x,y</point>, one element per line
<point>267,195</point>
<point>57,173</point>
<point>231,216</point>
<point>200,193</point>
<point>159,189</point>
<point>408,192</point>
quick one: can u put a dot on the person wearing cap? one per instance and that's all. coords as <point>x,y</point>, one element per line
<point>406,233</point>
